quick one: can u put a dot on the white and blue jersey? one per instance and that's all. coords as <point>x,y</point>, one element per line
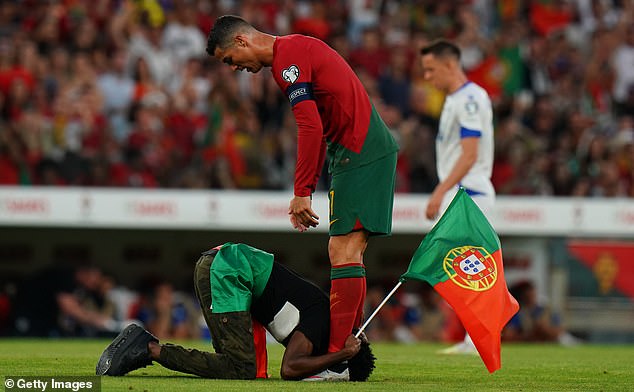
<point>467,112</point>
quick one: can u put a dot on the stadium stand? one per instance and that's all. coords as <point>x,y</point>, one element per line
<point>120,93</point>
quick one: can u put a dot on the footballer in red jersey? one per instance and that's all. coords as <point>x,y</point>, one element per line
<point>335,118</point>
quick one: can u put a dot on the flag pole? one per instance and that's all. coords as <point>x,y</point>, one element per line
<point>377,310</point>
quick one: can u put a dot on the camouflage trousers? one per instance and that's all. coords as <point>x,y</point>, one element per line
<point>231,336</point>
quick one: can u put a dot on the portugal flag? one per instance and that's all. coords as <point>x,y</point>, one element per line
<point>461,258</point>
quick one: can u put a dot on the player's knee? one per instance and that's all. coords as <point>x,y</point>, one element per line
<point>347,248</point>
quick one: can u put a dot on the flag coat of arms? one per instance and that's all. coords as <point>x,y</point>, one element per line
<point>461,258</point>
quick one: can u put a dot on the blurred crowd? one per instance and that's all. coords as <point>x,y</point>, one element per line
<point>421,314</point>
<point>121,92</point>
<point>84,301</point>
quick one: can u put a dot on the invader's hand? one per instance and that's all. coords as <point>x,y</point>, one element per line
<point>352,346</point>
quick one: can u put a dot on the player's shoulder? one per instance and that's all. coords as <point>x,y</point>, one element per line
<point>296,42</point>
<point>470,88</point>
<point>293,50</point>
<point>471,91</point>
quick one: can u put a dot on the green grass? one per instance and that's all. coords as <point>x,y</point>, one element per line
<point>399,368</point>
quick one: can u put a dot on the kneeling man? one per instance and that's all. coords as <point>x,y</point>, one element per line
<point>240,289</point>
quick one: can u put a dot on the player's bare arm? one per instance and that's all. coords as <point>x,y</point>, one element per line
<point>463,165</point>
<point>70,306</point>
<point>298,363</point>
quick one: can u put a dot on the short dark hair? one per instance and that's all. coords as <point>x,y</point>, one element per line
<point>361,365</point>
<point>441,48</point>
<point>225,28</point>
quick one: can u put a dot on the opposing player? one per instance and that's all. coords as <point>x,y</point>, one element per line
<point>241,289</point>
<point>334,116</point>
<point>464,144</point>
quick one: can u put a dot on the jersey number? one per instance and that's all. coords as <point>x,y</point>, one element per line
<point>331,197</point>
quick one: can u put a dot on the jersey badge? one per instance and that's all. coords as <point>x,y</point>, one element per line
<point>291,74</point>
<point>471,106</point>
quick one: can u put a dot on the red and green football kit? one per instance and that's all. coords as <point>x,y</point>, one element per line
<point>334,116</point>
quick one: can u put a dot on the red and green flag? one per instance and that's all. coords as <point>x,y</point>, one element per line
<point>461,258</point>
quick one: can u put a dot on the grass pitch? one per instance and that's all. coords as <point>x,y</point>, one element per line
<point>399,368</point>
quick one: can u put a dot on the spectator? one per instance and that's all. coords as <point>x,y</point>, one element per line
<point>622,60</point>
<point>430,325</point>
<point>364,15</point>
<point>394,83</point>
<point>408,317</point>
<point>120,298</point>
<point>117,88</point>
<point>534,322</point>
<point>181,37</point>
<point>142,39</point>
<point>168,314</point>
<point>55,302</point>
<point>312,21</point>
<point>371,55</point>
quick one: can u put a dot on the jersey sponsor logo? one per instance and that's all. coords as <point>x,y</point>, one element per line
<point>291,74</point>
<point>471,267</point>
<point>471,106</point>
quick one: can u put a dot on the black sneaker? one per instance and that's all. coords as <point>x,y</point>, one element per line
<point>127,352</point>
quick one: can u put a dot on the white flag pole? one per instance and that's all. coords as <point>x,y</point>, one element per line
<point>377,309</point>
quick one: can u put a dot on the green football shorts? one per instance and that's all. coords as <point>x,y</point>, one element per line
<point>363,197</point>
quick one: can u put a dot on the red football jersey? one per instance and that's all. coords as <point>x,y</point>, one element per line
<point>329,103</point>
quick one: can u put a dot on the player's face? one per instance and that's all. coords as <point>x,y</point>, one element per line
<point>239,57</point>
<point>435,71</point>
